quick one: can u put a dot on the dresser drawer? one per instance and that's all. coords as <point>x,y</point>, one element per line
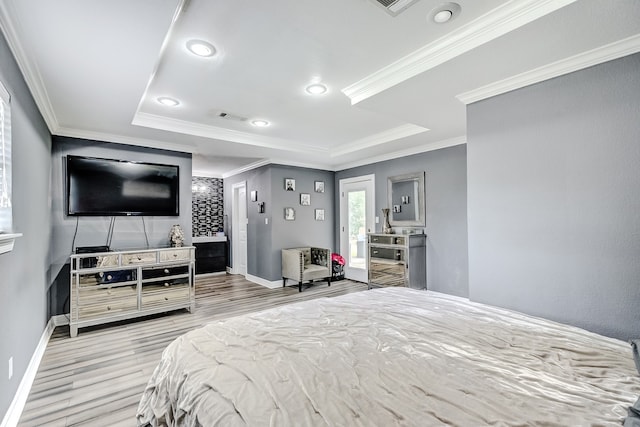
<point>387,274</point>
<point>160,294</point>
<point>139,258</point>
<point>152,273</point>
<point>99,304</point>
<point>175,255</point>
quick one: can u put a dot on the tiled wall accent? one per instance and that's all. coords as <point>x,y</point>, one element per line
<point>206,205</point>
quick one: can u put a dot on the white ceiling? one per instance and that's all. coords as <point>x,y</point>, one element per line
<point>397,85</point>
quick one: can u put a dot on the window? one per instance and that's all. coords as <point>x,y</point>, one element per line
<point>5,161</point>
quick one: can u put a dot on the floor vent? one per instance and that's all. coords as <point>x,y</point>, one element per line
<point>394,7</point>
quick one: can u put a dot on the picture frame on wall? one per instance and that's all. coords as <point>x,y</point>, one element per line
<point>305,199</point>
<point>319,186</point>
<point>319,214</point>
<point>397,208</point>
<point>289,214</point>
<point>290,184</point>
<point>254,196</point>
<point>261,207</point>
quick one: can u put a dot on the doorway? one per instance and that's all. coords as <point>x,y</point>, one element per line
<point>357,218</point>
<point>239,228</point>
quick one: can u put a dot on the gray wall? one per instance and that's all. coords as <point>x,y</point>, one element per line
<point>129,232</point>
<point>446,210</point>
<point>554,199</point>
<point>265,241</point>
<point>24,271</point>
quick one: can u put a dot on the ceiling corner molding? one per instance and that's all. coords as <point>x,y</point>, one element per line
<point>246,168</point>
<point>485,28</point>
<point>28,68</point>
<point>574,63</point>
<point>213,132</point>
<point>431,146</point>
<point>383,137</point>
<point>120,139</point>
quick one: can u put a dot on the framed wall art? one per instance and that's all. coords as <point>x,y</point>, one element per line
<point>290,184</point>
<point>289,214</point>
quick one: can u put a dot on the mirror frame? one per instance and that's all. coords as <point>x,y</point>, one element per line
<point>416,177</point>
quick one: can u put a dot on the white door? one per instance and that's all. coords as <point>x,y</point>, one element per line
<point>357,218</point>
<point>239,239</point>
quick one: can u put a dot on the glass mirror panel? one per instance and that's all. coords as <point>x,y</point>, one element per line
<point>406,200</point>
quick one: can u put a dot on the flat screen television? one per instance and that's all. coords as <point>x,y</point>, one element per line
<point>109,187</point>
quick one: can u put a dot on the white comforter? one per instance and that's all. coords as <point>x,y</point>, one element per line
<point>390,357</point>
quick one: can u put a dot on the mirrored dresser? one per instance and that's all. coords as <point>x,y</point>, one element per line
<point>397,260</point>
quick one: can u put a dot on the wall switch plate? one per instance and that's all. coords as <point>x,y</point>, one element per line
<point>377,220</point>
<point>10,367</point>
<point>266,220</point>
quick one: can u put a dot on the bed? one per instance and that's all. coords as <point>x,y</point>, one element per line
<point>390,357</point>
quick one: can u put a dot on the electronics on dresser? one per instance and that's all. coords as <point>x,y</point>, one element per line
<point>109,187</point>
<point>90,262</point>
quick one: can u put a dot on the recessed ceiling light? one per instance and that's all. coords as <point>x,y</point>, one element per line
<point>445,13</point>
<point>316,89</point>
<point>442,16</point>
<point>201,48</point>
<point>169,102</point>
<point>260,123</point>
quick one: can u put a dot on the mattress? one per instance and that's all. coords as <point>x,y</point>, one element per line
<point>390,357</point>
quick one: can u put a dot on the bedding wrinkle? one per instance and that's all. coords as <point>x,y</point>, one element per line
<point>390,357</point>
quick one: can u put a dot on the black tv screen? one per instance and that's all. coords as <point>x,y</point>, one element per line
<point>110,187</point>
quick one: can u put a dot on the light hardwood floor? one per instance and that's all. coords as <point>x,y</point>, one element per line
<point>97,378</point>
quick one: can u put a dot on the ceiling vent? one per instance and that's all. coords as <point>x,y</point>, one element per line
<point>394,7</point>
<point>230,116</point>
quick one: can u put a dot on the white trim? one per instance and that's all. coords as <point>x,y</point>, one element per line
<point>198,129</point>
<point>235,234</point>
<point>12,416</point>
<point>61,320</point>
<point>592,57</point>
<point>29,69</point>
<point>7,241</point>
<point>369,185</point>
<point>120,139</point>
<point>403,153</point>
<point>216,273</point>
<point>246,168</point>
<point>383,137</point>
<point>491,25</point>
<point>264,282</point>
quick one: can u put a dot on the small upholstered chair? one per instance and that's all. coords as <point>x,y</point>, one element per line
<point>306,264</point>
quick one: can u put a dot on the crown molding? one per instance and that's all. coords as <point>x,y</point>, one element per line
<point>596,56</point>
<point>121,139</point>
<point>250,166</point>
<point>182,126</point>
<point>403,153</point>
<point>483,29</point>
<point>28,67</point>
<point>383,137</point>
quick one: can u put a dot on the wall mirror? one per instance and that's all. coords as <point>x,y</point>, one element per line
<point>406,196</point>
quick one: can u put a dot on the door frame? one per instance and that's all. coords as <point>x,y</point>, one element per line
<point>235,233</point>
<point>370,214</point>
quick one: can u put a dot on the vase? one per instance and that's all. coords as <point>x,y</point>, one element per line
<point>176,236</point>
<point>386,227</point>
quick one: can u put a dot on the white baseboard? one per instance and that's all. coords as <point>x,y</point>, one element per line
<point>217,273</point>
<point>60,320</point>
<point>264,282</point>
<point>12,416</point>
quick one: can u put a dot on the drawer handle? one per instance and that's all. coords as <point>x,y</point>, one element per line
<point>166,284</point>
<point>375,252</point>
